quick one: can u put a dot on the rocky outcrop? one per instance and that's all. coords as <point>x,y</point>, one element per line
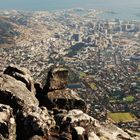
<point>56,79</point>
<point>80,123</point>
<point>112,132</point>
<point>7,123</point>
<point>60,116</point>
<point>64,99</point>
<point>85,125</point>
<point>55,93</point>
<point>33,120</point>
<point>77,115</point>
<point>21,74</point>
<point>14,93</point>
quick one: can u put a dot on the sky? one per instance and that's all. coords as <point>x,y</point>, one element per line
<point>64,4</point>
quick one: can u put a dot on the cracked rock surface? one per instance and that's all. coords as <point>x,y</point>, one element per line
<point>52,112</point>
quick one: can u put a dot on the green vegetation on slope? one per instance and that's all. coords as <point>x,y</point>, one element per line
<point>129,98</point>
<point>121,117</point>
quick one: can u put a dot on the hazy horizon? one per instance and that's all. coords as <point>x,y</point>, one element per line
<point>64,4</point>
<point>124,9</point>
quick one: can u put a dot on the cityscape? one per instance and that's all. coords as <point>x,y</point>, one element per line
<point>102,56</point>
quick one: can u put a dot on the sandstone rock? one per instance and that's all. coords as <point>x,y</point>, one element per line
<point>112,132</point>
<point>33,120</point>
<point>79,132</point>
<point>7,123</point>
<point>14,93</point>
<point>78,116</point>
<point>21,74</point>
<point>136,135</point>
<point>37,123</point>
<point>93,129</point>
<point>93,136</point>
<point>56,79</point>
<point>64,99</point>
<point>75,121</point>
<point>36,137</point>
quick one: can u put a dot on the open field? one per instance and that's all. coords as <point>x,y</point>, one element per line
<point>121,117</point>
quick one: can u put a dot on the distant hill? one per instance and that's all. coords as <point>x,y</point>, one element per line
<point>7,32</point>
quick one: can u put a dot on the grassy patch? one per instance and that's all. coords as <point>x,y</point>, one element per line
<point>129,98</point>
<point>82,74</point>
<point>121,117</point>
<point>93,86</point>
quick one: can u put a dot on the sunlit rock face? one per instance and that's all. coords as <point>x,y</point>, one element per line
<point>54,112</point>
<point>14,93</point>
<point>21,74</point>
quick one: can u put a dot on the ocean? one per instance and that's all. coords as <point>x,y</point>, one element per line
<point>123,9</point>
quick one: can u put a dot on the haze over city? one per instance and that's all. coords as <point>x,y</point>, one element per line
<point>124,9</point>
<point>70,69</point>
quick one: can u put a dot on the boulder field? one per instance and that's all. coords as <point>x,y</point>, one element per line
<point>31,111</point>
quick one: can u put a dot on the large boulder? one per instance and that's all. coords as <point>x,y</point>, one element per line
<point>78,116</point>
<point>7,123</point>
<point>21,74</point>
<point>64,99</point>
<point>78,123</point>
<point>56,79</point>
<point>83,126</point>
<point>14,93</point>
<point>33,120</point>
